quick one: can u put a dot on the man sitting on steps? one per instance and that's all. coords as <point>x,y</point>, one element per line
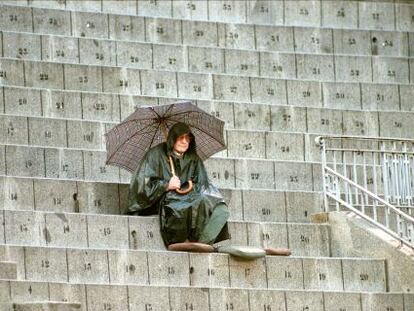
<point>198,216</point>
<point>192,221</point>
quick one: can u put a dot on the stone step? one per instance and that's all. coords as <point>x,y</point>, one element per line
<point>199,86</point>
<point>120,297</point>
<point>336,14</point>
<point>46,306</point>
<point>189,58</point>
<point>143,233</point>
<point>238,116</point>
<point>166,268</point>
<point>241,143</point>
<point>109,198</point>
<point>83,165</point>
<point>51,132</point>
<point>224,172</point>
<point>263,113</point>
<point>8,270</point>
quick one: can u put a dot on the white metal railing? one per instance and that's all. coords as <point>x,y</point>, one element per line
<point>372,177</point>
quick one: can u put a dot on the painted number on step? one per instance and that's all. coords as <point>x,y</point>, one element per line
<point>45,264</point>
<point>294,179</point>
<point>23,228</point>
<point>130,268</point>
<point>340,13</point>
<point>87,266</point>
<point>171,270</point>
<point>126,27</point>
<point>266,211</point>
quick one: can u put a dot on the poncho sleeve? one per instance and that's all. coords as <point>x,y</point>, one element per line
<point>200,176</point>
<point>147,186</point>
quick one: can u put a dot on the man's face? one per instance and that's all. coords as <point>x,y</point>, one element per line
<point>182,143</point>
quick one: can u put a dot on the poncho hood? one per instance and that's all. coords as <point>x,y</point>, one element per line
<point>176,131</point>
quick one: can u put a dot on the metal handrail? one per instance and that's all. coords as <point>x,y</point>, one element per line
<point>393,139</point>
<point>372,195</point>
<point>349,189</point>
<point>368,150</point>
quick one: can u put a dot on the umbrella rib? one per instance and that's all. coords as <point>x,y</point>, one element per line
<point>168,109</point>
<point>184,112</point>
<point>159,116</point>
<point>156,121</point>
<point>129,138</point>
<point>173,119</point>
<point>153,110</point>
<point>155,134</point>
<point>192,111</point>
<point>200,129</point>
<point>164,117</point>
<point>139,120</point>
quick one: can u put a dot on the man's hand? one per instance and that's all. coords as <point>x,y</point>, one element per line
<point>174,183</point>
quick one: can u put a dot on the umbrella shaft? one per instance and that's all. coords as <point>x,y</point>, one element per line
<point>172,165</point>
<point>164,131</point>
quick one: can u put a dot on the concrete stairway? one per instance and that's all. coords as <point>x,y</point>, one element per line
<point>278,72</point>
<point>46,306</point>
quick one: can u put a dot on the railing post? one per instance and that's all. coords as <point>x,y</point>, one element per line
<point>384,164</point>
<point>355,176</point>
<point>335,183</point>
<point>347,194</point>
<point>406,162</point>
<point>375,186</point>
<point>321,142</point>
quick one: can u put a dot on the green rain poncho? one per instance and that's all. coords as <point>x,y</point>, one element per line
<point>200,215</point>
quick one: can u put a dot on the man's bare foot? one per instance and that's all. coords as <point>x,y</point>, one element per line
<point>273,251</point>
<point>191,247</point>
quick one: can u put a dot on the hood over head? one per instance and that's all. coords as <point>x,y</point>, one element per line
<point>176,131</point>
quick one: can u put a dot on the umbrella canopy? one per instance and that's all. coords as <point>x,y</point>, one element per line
<point>128,142</point>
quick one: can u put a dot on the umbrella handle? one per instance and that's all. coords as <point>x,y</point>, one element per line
<point>190,182</point>
<point>185,191</point>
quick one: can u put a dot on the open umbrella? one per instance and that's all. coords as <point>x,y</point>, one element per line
<point>128,142</point>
